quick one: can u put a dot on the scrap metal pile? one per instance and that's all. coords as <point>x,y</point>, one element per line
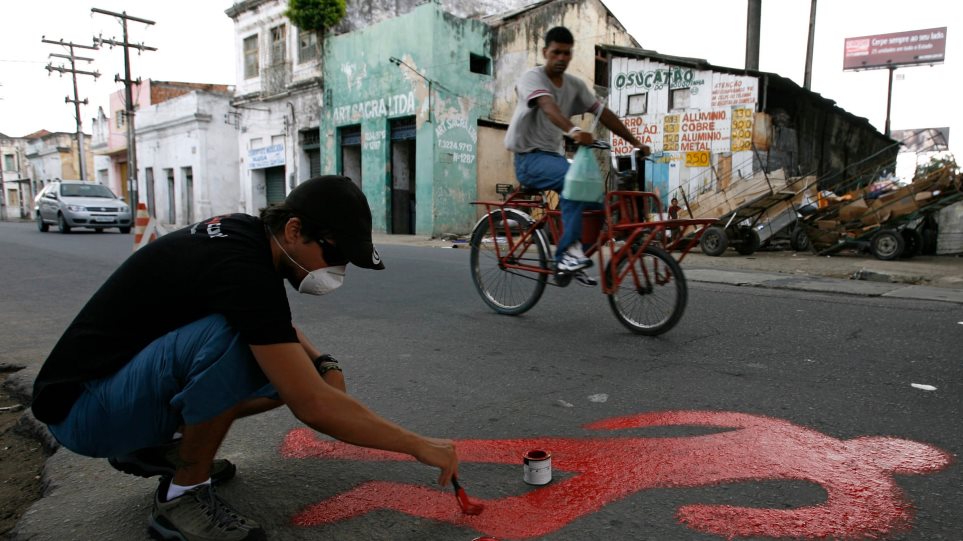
<point>889,220</point>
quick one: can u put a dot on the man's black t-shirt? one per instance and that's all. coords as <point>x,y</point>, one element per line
<point>219,266</point>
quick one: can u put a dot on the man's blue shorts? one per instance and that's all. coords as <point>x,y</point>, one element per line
<point>186,377</point>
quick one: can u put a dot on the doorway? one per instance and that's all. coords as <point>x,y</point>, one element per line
<point>351,153</point>
<point>188,174</point>
<point>403,176</point>
<point>171,202</point>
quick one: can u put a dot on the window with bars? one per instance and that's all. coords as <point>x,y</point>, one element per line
<point>279,44</point>
<point>307,46</point>
<point>251,64</point>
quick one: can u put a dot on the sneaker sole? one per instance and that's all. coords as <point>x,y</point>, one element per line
<point>575,269</point>
<point>162,533</point>
<point>221,470</point>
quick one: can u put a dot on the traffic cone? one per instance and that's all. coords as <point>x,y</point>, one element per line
<point>143,226</point>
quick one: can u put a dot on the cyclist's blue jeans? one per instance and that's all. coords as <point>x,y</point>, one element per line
<point>546,171</point>
<point>188,376</point>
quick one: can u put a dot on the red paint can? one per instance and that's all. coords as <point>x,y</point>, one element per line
<point>537,467</point>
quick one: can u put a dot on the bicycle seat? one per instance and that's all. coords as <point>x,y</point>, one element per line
<point>522,190</point>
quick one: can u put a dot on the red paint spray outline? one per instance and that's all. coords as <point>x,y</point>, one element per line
<point>863,500</point>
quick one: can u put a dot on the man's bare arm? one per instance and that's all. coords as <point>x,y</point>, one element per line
<point>328,410</point>
<point>550,108</point>
<point>331,377</point>
<point>612,122</point>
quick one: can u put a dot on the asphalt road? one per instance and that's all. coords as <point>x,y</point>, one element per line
<point>765,409</point>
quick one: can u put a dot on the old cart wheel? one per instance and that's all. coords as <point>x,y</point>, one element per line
<point>750,241</point>
<point>912,242</point>
<point>887,245</point>
<point>799,240</point>
<point>714,241</point>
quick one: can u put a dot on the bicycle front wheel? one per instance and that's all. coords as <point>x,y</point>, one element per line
<point>507,290</point>
<point>652,293</point>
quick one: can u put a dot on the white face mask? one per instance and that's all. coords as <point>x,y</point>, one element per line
<point>322,281</point>
<point>317,282</point>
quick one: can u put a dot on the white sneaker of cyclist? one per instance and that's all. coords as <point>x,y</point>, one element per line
<point>575,250</point>
<point>573,259</point>
<point>583,278</point>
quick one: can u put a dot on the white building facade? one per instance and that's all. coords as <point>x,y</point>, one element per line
<point>277,103</point>
<point>187,158</point>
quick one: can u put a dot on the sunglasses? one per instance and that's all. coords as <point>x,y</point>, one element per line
<point>332,256</point>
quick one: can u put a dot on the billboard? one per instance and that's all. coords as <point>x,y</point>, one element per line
<point>923,140</point>
<point>900,49</point>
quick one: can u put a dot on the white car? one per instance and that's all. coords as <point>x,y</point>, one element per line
<point>76,203</point>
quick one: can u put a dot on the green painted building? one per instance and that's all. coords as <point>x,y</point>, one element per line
<point>400,116</point>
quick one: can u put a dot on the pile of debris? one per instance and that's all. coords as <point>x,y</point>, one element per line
<point>858,216</point>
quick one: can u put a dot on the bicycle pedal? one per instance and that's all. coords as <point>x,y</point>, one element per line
<point>562,278</point>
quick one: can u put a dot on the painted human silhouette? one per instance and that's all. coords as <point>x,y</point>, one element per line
<point>863,500</point>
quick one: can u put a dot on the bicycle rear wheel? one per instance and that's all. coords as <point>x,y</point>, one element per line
<point>506,290</point>
<point>652,293</point>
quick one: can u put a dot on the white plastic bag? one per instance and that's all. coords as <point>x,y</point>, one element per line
<point>583,181</point>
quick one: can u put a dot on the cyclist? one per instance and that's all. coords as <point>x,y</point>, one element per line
<point>547,99</point>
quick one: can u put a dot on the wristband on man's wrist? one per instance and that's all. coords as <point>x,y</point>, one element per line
<point>325,363</point>
<point>574,130</point>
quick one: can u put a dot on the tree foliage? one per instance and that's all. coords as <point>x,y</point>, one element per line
<point>936,163</point>
<point>316,15</point>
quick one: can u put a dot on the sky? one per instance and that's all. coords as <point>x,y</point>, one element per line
<point>195,42</point>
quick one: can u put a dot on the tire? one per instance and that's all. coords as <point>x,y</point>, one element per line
<point>750,241</point>
<point>124,230</point>
<point>41,225</point>
<point>652,294</point>
<point>62,224</point>
<point>887,245</point>
<point>714,241</point>
<point>912,243</point>
<point>507,291</point>
<point>799,241</point>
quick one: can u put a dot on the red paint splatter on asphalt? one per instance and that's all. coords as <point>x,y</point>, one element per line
<point>863,501</point>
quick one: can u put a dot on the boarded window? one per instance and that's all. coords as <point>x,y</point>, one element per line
<point>679,98</point>
<point>638,104</point>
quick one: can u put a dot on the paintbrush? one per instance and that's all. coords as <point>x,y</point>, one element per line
<point>468,507</point>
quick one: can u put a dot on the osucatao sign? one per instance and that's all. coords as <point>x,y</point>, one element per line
<point>270,156</point>
<point>899,49</point>
<point>656,79</point>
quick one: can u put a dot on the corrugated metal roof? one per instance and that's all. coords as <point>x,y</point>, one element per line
<point>772,79</point>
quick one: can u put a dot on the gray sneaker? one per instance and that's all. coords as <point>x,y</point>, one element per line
<point>199,515</point>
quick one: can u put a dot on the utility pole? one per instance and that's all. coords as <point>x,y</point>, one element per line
<point>753,24</point>
<point>128,94</point>
<point>73,71</point>
<point>808,76</point>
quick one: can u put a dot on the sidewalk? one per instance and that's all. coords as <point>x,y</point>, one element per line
<point>935,278</point>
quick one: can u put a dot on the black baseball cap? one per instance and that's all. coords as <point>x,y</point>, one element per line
<point>336,204</point>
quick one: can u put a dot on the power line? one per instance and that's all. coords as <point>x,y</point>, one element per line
<point>128,94</point>
<point>73,71</point>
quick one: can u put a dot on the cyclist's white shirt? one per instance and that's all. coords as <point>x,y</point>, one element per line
<point>530,128</point>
